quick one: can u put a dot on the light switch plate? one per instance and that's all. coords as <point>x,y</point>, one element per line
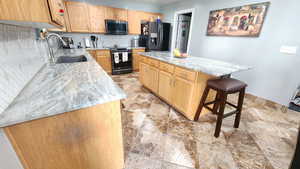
<point>289,49</point>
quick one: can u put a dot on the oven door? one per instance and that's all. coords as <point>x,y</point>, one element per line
<point>114,27</point>
<point>119,65</point>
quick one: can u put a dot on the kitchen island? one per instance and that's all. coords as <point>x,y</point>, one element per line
<point>67,117</point>
<point>181,81</point>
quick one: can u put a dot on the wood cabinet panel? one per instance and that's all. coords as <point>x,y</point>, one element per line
<point>182,94</point>
<point>103,52</point>
<point>116,14</point>
<point>121,14</point>
<point>134,22</point>
<point>143,69</point>
<point>166,67</point>
<point>185,74</point>
<point>28,11</point>
<point>55,9</point>
<point>136,61</point>
<point>89,138</point>
<point>78,16</point>
<point>153,78</point>
<point>153,62</point>
<point>165,86</point>
<point>97,18</point>
<point>104,62</point>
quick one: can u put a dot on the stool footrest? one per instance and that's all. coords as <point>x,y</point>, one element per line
<point>210,109</point>
<point>231,104</point>
<point>230,113</point>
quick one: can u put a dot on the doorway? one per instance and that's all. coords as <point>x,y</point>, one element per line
<point>182,32</point>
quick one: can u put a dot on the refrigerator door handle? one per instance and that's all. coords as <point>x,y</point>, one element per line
<point>161,31</point>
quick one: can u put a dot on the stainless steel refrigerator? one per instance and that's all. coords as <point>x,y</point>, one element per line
<point>156,36</point>
<point>183,32</point>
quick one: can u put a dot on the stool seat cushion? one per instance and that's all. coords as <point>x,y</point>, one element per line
<point>226,85</point>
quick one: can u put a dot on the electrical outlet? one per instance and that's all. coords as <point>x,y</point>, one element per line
<point>292,50</point>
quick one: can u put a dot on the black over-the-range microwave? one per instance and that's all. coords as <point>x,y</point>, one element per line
<point>114,27</point>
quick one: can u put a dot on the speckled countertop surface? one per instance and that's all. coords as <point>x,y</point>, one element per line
<point>199,64</point>
<point>62,88</point>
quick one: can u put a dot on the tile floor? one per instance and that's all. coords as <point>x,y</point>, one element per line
<point>158,137</point>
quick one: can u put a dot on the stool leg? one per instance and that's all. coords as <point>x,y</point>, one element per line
<point>217,103</point>
<point>239,109</point>
<point>223,98</point>
<point>202,102</point>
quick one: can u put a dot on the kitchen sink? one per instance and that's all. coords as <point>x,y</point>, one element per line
<point>71,59</point>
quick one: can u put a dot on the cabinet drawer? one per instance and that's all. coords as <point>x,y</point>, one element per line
<point>103,52</point>
<point>166,67</point>
<point>185,74</point>
<point>138,50</point>
<point>143,59</point>
<point>153,62</point>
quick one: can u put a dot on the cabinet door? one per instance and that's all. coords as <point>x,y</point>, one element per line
<point>143,70</point>
<point>57,9</point>
<point>121,14</point>
<point>165,86</point>
<point>152,75</point>
<point>182,94</point>
<point>97,14</point>
<point>104,62</point>
<point>134,22</point>
<point>78,16</point>
<point>110,13</point>
<point>136,61</point>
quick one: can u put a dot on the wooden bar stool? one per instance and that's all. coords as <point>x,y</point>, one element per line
<point>223,88</point>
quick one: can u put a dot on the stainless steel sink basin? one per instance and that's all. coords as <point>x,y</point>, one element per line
<point>71,59</point>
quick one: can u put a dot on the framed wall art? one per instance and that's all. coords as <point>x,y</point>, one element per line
<point>244,20</point>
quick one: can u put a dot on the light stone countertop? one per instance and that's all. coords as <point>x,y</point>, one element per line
<point>106,48</point>
<point>200,64</point>
<point>62,88</point>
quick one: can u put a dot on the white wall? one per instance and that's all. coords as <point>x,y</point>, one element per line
<point>275,75</point>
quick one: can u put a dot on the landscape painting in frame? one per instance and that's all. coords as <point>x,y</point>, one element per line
<point>239,21</point>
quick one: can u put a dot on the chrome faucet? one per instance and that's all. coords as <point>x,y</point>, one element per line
<point>48,36</point>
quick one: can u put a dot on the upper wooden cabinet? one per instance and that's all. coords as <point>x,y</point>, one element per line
<point>97,17</point>
<point>134,21</point>
<point>32,12</point>
<point>116,14</point>
<point>78,16</point>
<point>135,18</point>
<point>57,8</point>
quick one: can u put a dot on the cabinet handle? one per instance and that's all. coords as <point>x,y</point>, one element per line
<point>173,82</point>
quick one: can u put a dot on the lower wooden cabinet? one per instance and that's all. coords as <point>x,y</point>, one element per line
<point>149,76</point>
<point>182,94</point>
<point>142,76</point>
<point>152,78</point>
<point>103,58</point>
<point>165,86</point>
<point>104,62</point>
<point>179,87</point>
<point>136,58</point>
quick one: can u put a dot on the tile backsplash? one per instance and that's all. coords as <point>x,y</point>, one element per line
<point>104,40</point>
<point>21,57</point>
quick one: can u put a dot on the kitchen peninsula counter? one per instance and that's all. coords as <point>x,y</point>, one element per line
<point>68,116</point>
<point>181,81</point>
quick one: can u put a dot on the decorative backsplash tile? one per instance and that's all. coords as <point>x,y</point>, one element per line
<point>21,57</point>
